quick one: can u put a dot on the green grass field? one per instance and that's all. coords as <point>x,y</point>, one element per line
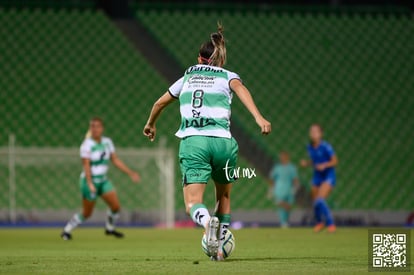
<point>258,251</point>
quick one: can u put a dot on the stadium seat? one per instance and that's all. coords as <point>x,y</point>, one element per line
<point>349,72</point>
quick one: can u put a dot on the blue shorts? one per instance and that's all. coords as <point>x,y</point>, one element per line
<point>321,177</point>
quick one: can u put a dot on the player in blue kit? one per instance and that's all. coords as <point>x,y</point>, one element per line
<point>323,160</point>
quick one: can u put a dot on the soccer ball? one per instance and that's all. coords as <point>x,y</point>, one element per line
<point>228,245</point>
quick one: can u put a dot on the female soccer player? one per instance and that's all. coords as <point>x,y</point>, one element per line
<point>323,160</point>
<point>96,151</point>
<point>284,178</point>
<point>207,146</point>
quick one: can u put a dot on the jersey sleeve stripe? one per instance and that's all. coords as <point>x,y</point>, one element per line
<point>176,97</point>
<point>231,79</point>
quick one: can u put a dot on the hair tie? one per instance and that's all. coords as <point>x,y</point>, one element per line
<point>208,60</point>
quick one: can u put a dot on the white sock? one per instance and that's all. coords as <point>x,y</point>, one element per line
<point>76,220</point>
<point>200,215</point>
<point>111,219</point>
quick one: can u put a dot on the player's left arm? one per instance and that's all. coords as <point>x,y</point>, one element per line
<point>124,168</point>
<point>331,163</point>
<point>333,159</point>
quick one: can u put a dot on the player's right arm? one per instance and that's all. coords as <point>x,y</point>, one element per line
<point>159,105</point>
<point>88,174</point>
<point>246,98</point>
<point>271,182</point>
<point>85,154</point>
<point>272,186</point>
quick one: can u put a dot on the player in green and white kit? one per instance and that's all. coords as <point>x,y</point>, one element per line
<point>96,151</point>
<point>207,147</point>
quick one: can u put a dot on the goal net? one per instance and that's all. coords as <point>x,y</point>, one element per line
<point>43,186</point>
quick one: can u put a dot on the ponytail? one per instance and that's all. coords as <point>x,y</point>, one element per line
<point>218,58</point>
<point>213,52</point>
<point>88,134</point>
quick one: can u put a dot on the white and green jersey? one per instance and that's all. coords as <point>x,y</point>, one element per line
<point>99,155</point>
<point>205,98</point>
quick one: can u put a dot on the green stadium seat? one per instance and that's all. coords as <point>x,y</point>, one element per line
<point>349,72</point>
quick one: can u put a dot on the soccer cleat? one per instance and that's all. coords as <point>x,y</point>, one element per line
<point>318,227</point>
<point>217,258</point>
<point>114,233</point>
<point>284,226</point>
<point>211,230</point>
<point>66,236</point>
<point>331,228</point>
<point>220,256</point>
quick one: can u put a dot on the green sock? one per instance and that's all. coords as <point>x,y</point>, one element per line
<point>223,218</point>
<point>224,225</point>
